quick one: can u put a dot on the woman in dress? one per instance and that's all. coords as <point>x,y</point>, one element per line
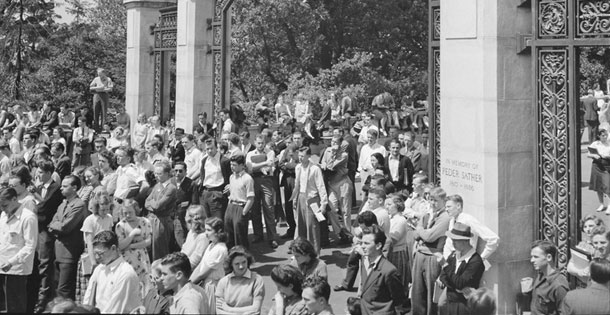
<point>600,177</point>
<point>211,269</point>
<point>398,253</point>
<point>135,236</point>
<point>99,220</point>
<point>108,166</point>
<point>196,239</point>
<point>306,259</point>
<point>241,291</point>
<point>58,136</point>
<point>595,246</point>
<point>140,131</point>
<point>289,282</point>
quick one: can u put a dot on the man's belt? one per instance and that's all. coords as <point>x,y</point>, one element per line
<point>238,203</point>
<point>219,188</point>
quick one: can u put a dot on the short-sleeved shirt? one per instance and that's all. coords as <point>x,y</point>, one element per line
<point>94,224</point>
<point>241,187</point>
<point>240,291</point>
<point>548,293</point>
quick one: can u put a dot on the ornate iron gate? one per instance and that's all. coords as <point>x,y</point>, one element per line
<point>560,27</point>
<point>434,89</point>
<point>221,39</point>
<point>165,34</point>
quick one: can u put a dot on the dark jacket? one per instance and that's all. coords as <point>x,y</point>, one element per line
<point>590,301</point>
<point>50,119</point>
<point>589,104</point>
<point>468,275</point>
<point>66,226</point>
<point>382,291</point>
<point>352,153</point>
<point>47,207</point>
<point>184,192</point>
<point>63,166</point>
<point>225,168</point>
<point>176,152</point>
<point>405,167</point>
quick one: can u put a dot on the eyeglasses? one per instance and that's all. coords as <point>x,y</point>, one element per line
<point>97,253</point>
<point>178,170</point>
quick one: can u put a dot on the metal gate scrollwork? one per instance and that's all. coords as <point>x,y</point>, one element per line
<point>561,27</point>
<point>434,89</point>
<point>220,38</point>
<point>554,149</point>
<point>165,34</point>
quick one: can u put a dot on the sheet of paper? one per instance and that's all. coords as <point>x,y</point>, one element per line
<point>320,216</point>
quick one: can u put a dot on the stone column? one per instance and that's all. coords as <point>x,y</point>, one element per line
<point>488,125</point>
<point>142,15</point>
<point>194,62</point>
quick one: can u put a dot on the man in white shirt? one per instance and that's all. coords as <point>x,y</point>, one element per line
<point>101,86</point>
<point>234,145</point>
<point>114,287</point>
<point>128,181</point>
<point>192,157</point>
<point>455,210</point>
<point>227,125</point>
<point>5,159</point>
<point>364,164</point>
<point>18,239</point>
<point>309,189</point>
<point>366,120</point>
<point>13,143</point>
<point>260,164</point>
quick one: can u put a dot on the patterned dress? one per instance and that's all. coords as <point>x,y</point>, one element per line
<point>137,258</point>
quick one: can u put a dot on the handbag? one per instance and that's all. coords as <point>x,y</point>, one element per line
<point>87,267</point>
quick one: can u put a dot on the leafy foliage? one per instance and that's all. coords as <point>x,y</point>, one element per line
<point>59,61</point>
<point>322,45</point>
<point>594,68</point>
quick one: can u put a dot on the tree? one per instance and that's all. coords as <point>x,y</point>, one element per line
<point>23,25</point>
<point>276,40</point>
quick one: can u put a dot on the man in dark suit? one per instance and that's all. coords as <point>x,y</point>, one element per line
<point>161,204</point>
<point>183,200</point>
<point>589,104</point>
<point>175,150</point>
<point>400,169</point>
<point>215,174</point>
<point>69,245</point>
<point>463,269</point>
<point>594,299</point>
<point>49,197</point>
<point>381,292</point>
<point>60,159</point>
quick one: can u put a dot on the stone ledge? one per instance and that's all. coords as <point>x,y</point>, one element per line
<point>148,4</point>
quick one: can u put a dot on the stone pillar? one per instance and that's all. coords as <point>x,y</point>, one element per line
<point>139,89</point>
<point>488,125</point>
<point>194,62</point>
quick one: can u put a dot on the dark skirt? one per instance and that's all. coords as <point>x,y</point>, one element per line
<point>400,260</point>
<point>600,178</point>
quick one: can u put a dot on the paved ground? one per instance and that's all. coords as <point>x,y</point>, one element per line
<point>267,258</point>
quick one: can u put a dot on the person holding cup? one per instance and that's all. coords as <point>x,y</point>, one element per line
<point>550,285</point>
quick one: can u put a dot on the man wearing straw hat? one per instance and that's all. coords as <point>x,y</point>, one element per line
<point>461,272</point>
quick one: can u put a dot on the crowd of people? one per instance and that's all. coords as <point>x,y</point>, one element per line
<point>149,219</point>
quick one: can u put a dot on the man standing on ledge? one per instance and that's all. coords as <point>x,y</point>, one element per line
<point>101,86</point>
